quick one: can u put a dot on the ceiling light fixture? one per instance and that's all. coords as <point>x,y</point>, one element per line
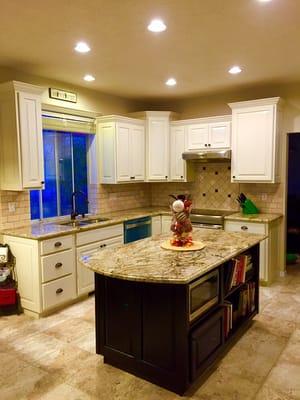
<point>89,78</point>
<point>82,47</point>
<point>171,82</point>
<point>157,25</point>
<point>235,70</point>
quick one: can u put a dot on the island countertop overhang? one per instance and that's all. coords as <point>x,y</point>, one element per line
<point>146,261</point>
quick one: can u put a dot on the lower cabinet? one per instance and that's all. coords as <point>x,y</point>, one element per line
<point>166,224</point>
<point>269,259</point>
<point>85,277</point>
<point>205,340</point>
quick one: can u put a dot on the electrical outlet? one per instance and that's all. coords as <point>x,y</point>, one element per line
<point>12,207</point>
<point>264,197</point>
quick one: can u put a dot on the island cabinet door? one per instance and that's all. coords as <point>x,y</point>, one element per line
<point>205,342</point>
<point>121,315</point>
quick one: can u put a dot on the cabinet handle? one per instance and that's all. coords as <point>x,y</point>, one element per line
<point>244,228</point>
<point>42,182</point>
<point>209,144</point>
<point>58,265</point>
<point>166,176</point>
<point>57,244</point>
<point>181,177</point>
<point>233,177</point>
<point>102,245</point>
<point>60,290</point>
<point>132,177</point>
<point>205,145</point>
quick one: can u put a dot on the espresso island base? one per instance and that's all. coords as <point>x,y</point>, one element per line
<point>143,316</point>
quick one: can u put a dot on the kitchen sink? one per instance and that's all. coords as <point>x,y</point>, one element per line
<point>77,223</point>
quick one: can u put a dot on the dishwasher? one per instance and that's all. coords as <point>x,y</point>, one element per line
<point>136,229</point>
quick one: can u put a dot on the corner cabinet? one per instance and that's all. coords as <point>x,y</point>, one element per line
<point>121,142</point>
<point>255,134</point>
<point>21,146</point>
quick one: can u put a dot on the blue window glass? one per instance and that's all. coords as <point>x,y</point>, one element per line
<point>65,165</point>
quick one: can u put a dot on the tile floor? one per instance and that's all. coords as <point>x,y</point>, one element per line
<point>54,358</point>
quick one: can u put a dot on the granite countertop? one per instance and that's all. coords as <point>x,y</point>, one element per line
<point>46,230</point>
<point>146,261</point>
<point>266,218</point>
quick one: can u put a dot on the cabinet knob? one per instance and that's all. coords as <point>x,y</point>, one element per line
<point>42,182</point>
<point>233,177</point>
<point>205,145</point>
<point>244,228</point>
<point>57,244</point>
<point>58,265</point>
<point>181,177</point>
<point>166,176</point>
<point>60,290</point>
<point>209,144</point>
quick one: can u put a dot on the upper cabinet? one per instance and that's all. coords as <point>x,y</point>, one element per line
<point>208,133</point>
<point>255,128</point>
<point>121,149</point>
<point>158,143</point>
<point>21,143</point>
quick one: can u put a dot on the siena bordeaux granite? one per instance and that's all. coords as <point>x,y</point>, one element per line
<point>146,261</point>
<point>265,218</point>
<point>46,230</point>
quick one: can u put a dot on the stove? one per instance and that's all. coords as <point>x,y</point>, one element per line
<point>211,219</point>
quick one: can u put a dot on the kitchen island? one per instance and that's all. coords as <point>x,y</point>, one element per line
<point>145,321</point>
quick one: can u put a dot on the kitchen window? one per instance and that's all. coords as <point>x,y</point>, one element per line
<point>66,171</point>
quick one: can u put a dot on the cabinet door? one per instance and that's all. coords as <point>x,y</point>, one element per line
<point>156,225</point>
<point>178,165</point>
<point>197,136</point>
<point>106,139</point>
<point>137,153</point>
<point>85,277</point>
<point>253,135</point>
<point>166,224</point>
<point>30,127</point>
<point>158,149</point>
<point>219,135</point>
<point>123,152</point>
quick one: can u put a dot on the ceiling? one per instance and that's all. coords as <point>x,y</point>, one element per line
<point>204,38</point>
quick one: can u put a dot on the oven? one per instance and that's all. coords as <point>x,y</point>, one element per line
<point>203,294</point>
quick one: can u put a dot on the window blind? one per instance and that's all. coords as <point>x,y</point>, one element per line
<point>69,123</point>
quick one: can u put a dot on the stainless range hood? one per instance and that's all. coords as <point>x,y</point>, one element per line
<point>206,156</point>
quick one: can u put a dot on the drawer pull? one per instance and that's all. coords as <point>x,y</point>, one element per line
<point>244,228</point>
<point>58,265</point>
<point>60,290</point>
<point>57,244</point>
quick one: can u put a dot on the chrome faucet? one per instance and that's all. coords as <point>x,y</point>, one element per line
<point>74,213</point>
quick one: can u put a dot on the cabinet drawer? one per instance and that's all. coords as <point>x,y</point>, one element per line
<point>95,235</point>
<point>56,244</point>
<point>58,291</point>
<point>243,226</point>
<point>57,265</point>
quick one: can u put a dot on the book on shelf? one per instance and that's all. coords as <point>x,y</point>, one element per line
<point>242,305</point>
<point>237,271</point>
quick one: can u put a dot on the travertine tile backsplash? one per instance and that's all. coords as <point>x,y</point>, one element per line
<point>211,189</point>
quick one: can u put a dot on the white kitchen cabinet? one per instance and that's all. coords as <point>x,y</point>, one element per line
<point>268,249</point>
<point>166,224</point>
<point>85,277</point>
<point>156,225</point>
<point>21,143</point>
<point>255,129</point>
<point>157,130</point>
<point>180,170</point>
<point>207,133</point>
<point>121,149</point>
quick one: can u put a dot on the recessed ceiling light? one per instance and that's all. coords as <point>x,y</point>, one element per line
<point>82,47</point>
<point>264,1</point>
<point>157,25</point>
<point>171,82</point>
<point>235,70</point>
<point>89,78</point>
